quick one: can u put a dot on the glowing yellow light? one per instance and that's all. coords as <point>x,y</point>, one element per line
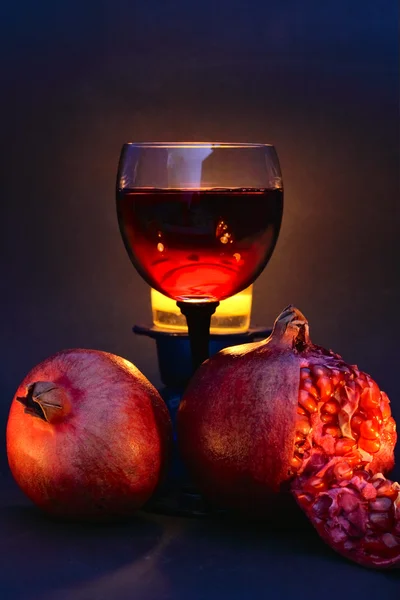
<point>231,316</point>
<point>223,234</point>
<point>237,256</point>
<point>160,247</point>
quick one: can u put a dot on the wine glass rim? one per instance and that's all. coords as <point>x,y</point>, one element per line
<point>193,145</point>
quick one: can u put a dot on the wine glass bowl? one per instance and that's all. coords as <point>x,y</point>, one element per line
<point>199,220</point>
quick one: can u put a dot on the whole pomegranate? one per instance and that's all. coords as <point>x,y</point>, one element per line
<point>87,436</point>
<point>263,417</point>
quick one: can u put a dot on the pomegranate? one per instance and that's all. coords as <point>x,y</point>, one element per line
<point>259,418</point>
<point>355,512</point>
<point>87,436</point>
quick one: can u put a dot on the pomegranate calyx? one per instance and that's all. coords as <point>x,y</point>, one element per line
<point>291,326</point>
<point>45,401</point>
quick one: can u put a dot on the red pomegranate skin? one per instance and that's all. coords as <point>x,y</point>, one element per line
<point>235,436</point>
<point>88,436</point>
<point>284,414</point>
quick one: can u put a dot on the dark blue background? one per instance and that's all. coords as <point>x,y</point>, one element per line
<point>317,79</point>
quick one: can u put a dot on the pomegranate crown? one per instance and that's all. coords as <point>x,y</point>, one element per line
<point>292,326</point>
<point>45,400</point>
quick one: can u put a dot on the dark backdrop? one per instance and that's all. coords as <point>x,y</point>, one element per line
<point>317,79</point>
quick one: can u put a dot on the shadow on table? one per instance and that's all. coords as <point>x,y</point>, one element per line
<point>154,557</point>
<point>40,555</point>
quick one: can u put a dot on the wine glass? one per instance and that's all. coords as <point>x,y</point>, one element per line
<point>199,221</point>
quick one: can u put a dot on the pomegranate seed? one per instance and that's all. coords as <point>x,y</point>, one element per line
<point>390,541</point>
<point>371,446</point>
<point>307,384</point>
<point>382,504</point>
<point>299,437</point>
<point>380,520</point>
<point>332,430</point>
<point>343,471</point>
<point>358,524</point>
<point>322,505</point>
<point>296,462</point>
<point>336,377</point>
<point>360,385</point>
<point>301,411</point>
<point>332,407</point>
<point>356,422</point>
<point>377,547</point>
<point>376,415</point>
<point>386,412</point>
<point>307,401</point>
<point>386,489</point>
<point>368,492</point>
<point>375,391</point>
<point>327,418</point>
<point>325,387</point>
<point>343,446</point>
<point>353,458</point>
<point>316,484</point>
<point>349,545</point>
<point>305,373</point>
<point>320,371</point>
<point>385,406</point>
<point>303,426</point>
<point>369,430</point>
<point>347,501</point>
<point>362,473</point>
<point>372,546</point>
<point>368,399</point>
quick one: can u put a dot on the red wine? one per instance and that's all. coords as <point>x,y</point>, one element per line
<point>200,245</point>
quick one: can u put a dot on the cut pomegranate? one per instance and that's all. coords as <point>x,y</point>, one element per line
<point>356,513</point>
<point>256,417</point>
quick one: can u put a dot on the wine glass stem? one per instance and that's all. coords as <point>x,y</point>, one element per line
<point>198,318</point>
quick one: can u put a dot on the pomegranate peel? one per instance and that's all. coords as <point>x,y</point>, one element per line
<point>225,443</point>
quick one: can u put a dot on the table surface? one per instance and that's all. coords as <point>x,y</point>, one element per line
<point>161,557</point>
